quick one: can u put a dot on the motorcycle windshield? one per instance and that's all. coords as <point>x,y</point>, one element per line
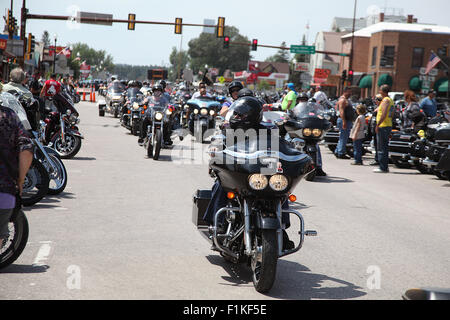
<point>117,87</point>
<point>9,101</point>
<point>157,104</point>
<point>132,92</point>
<point>308,110</point>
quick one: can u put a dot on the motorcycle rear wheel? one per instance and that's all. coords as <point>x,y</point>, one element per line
<point>264,268</point>
<point>36,184</point>
<point>15,244</point>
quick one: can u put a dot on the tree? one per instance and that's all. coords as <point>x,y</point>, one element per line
<point>98,58</point>
<point>179,60</point>
<point>207,49</point>
<point>281,56</point>
<point>46,38</point>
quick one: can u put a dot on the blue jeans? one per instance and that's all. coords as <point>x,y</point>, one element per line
<point>357,150</point>
<point>383,147</point>
<point>344,134</point>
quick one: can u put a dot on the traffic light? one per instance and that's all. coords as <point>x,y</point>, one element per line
<point>344,75</point>
<point>226,42</point>
<point>254,44</point>
<point>131,19</point>
<point>9,19</point>
<point>178,25</point>
<point>350,76</point>
<point>220,30</point>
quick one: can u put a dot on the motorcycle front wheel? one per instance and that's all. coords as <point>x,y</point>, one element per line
<point>71,147</point>
<point>35,186</point>
<point>264,260</point>
<point>58,177</point>
<point>17,240</point>
<point>157,144</point>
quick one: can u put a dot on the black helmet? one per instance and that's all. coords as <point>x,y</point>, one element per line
<point>245,113</point>
<point>235,84</point>
<point>245,93</point>
<point>163,84</point>
<point>157,87</point>
<point>302,96</point>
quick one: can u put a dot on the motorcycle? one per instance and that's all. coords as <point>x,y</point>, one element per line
<point>112,103</point>
<point>132,109</point>
<point>159,116</point>
<point>61,132</point>
<point>202,113</point>
<point>307,122</point>
<point>184,96</point>
<point>437,150</point>
<point>257,181</point>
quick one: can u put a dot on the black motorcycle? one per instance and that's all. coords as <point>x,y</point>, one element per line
<point>307,122</point>
<point>158,131</point>
<point>257,177</point>
<point>202,114</point>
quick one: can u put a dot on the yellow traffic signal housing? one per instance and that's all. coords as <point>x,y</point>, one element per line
<point>131,19</point>
<point>178,25</point>
<point>220,30</point>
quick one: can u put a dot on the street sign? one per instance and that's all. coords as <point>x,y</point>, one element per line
<point>106,19</point>
<point>221,79</point>
<point>303,49</point>
<point>301,67</point>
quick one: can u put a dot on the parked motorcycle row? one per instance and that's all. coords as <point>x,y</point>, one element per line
<point>52,126</point>
<point>425,147</point>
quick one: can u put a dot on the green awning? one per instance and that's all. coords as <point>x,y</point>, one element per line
<point>366,82</point>
<point>415,83</point>
<point>443,87</point>
<point>438,83</point>
<point>385,79</point>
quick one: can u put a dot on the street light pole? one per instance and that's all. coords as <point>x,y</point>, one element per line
<point>54,57</point>
<point>350,67</point>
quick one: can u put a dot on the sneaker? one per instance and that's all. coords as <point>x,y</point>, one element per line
<point>374,163</point>
<point>356,163</point>
<point>378,170</point>
<point>141,142</point>
<point>344,156</point>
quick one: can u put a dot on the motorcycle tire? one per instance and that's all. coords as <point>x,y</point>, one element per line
<point>17,240</point>
<point>311,176</point>
<point>66,154</point>
<point>36,178</point>
<point>135,129</point>
<point>157,146</point>
<point>332,148</point>
<point>58,180</point>
<point>422,168</point>
<point>116,113</point>
<point>101,113</point>
<point>264,271</point>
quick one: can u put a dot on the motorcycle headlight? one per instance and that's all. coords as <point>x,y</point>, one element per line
<point>158,116</point>
<point>212,112</point>
<point>135,106</point>
<point>195,111</point>
<point>278,182</point>
<point>307,132</point>
<point>204,112</point>
<point>258,181</point>
<point>317,132</point>
<point>116,98</point>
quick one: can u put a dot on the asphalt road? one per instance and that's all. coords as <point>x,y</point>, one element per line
<point>122,230</point>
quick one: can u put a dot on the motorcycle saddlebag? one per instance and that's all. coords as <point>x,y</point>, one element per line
<point>201,201</point>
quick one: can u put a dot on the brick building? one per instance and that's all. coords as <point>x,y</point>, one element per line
<point>394,53</point>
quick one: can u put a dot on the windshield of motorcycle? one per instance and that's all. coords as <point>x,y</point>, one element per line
<point>132,92</point>
<point>117,87</point>
<point>9,101</point>
<point>308,110</point>
<point>157,103</point>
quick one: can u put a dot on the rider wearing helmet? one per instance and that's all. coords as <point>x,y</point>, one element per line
<point>233,90</point>
<point>157,96</point>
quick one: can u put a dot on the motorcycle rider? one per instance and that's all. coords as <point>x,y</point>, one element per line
<point>245,113</point>
<point>51,87</point>
<point>201,91</point>
<point>233,90</point>
<point>302,101</point>
<point>157,96</point>
<point>17,77</point>
<point>165,93</point>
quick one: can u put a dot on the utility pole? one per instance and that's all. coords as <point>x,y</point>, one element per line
<point>350,66</point>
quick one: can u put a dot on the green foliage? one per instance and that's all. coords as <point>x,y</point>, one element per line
<point>46,38</point>
<point>98,58</point>
<point>207,49</point>
<point>280,56</point>
<point>179,60</point>
<point>129,72</point>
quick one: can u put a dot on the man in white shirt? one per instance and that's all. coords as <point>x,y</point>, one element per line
<point>320,96</point>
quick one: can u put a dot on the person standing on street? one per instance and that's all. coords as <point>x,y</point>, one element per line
<point>344,123</point>
<point>429,104</point>
<point>290,99</point>
<point>16,155</point>
<point>383,129</point>
<point>358,134</point>
<point>378,99</point>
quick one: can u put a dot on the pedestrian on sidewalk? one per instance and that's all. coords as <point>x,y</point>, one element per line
<point>344,123</point>
<point>357,134</point>
<point>378,99</point>
<point>384,128</point>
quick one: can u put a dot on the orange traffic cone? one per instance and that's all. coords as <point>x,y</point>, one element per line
<point>90,95</point>
<point>84,93</point>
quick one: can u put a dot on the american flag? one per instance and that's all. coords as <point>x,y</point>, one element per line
<point>65,51</point>
<point>434,60</point>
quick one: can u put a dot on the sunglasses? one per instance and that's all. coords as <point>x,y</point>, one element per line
<point>202,87</point>
<point>234,90</point>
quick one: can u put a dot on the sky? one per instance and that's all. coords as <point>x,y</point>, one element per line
<point>269,21</point>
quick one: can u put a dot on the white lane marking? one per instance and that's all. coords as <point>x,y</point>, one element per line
<point>43,253</point>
